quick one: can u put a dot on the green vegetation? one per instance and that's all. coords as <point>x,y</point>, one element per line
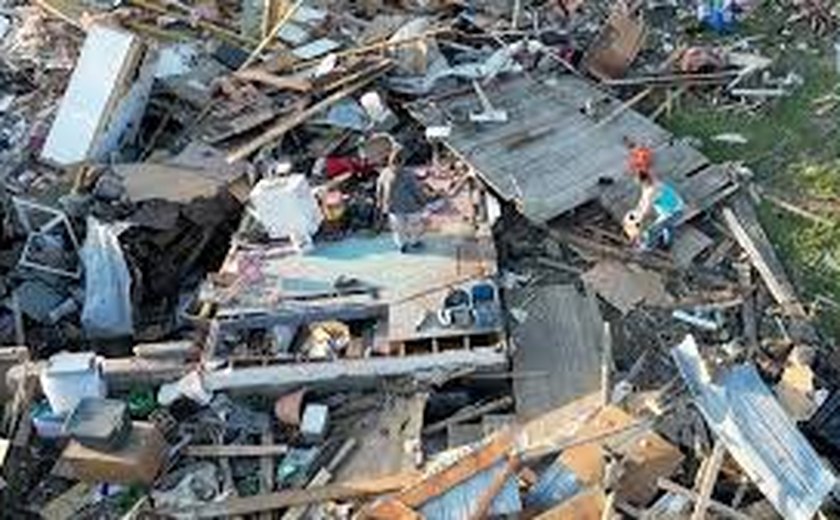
<point>793,151</point>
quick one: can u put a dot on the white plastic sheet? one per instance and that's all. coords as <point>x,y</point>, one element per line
<point>107,309</point>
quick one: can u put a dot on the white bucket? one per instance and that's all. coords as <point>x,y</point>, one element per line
<point>69,377</point>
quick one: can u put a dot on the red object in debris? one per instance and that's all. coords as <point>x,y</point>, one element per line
<point>695,60</point>
<point>336,165</point>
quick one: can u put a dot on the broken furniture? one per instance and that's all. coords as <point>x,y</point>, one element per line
<point>51,244</point>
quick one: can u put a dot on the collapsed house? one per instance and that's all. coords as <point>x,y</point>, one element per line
<point>220,314</point>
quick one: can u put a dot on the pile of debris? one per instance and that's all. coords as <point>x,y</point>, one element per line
<point>425,260</point>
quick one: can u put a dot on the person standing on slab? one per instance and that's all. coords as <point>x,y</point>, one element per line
<point>400,195</point>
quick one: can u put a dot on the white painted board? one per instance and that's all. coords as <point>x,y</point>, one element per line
<point>94,83</point>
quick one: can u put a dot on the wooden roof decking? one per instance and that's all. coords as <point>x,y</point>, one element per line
<point>550,157</point>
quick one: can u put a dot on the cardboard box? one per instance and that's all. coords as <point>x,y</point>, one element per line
<point>138,461</point>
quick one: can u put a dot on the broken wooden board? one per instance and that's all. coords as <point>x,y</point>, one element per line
<point>689,243</point>
<point>627,286</point>
<point>383,437</point>
<point>742,221</point>
<point>561,335</point>
<point>551,428</point>
<point>350,372</point>
<point>482,479</point>
<point>646,456</point>
<point>536,159</point>
<point>616,45</point>
<point>296,497</point>
<point>108,59</point>
<point>144,181</point>
<point>235,450</point>
<point>795,391</point>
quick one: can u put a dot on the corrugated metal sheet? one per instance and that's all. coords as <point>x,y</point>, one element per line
<point>460,502</point>
<point>758,434</point>
<point>555,485</point>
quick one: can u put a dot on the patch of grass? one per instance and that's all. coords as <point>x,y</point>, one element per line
<point>791,150</point>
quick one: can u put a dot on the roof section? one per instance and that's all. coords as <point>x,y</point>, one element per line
<point>550,156</point>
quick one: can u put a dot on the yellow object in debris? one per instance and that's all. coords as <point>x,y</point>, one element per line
<point>326,337</point>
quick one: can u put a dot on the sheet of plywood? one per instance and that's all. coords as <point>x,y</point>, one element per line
<point>646,455</point>
<point>107,57</point>
<point>145,181</point>
<point>561,342</point>
<point>383,437</point>
<point>626,286</point>
<point>617,45</point>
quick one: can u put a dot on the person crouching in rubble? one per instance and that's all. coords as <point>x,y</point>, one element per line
<point>651,223</point>
<point>400,196</point>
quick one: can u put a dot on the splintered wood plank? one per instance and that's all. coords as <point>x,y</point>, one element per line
<point>626,286</point>
<point>708,477</point>
<point>66,505</point>
<point>646,455</point>
<point>486,499</point>
<point>465,468</point>
<point>390,509</point>
<point>742,221</point>
<point>617,45</point>
<point>235,450</point>
<point>293,497</point>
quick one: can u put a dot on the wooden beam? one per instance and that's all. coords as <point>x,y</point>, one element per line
<point>707,478</point>
<point>606,365</point>
<point>66,505</point>
<point>468,413</point>
<point>235,450</point>
<point>295,497</point>
<point>322,478</point>
<point>390,509</point>
<point>350,371</point>
<point>748,317</point>
<point>742,222</point>
<point>288,123</point>
<point>463,469</point>
<point>486,498</point>
<point>267,467</point>
<point>714,505</point>
<point>538,453</point>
